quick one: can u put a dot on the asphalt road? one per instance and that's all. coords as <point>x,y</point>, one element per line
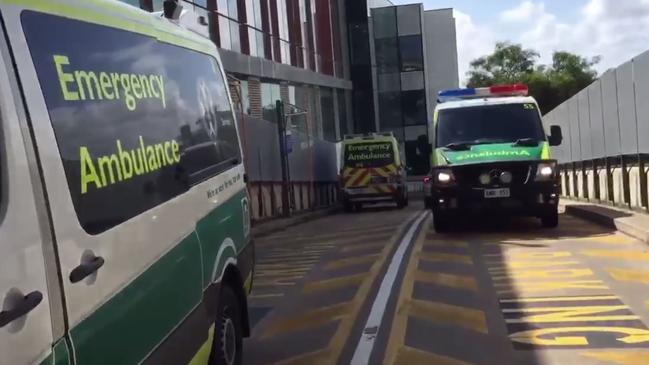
<point>381,287</point>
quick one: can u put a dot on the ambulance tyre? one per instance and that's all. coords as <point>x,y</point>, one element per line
<point>550,219</point>
<point>401,203</point>
<point>358,207</point>
<point>441,222</point>
<point>228,332</point>
<point>348,206</point>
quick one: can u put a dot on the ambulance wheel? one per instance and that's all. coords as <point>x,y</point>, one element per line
<point>428,203</point>
<point>550,219</point>
<point>441,222</point>
<point>401,203</point>
<point>358,207</point>
<point>348,206</point>
<point>228,332</point>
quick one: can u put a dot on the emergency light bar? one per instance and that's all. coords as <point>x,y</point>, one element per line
<point>483,92</point>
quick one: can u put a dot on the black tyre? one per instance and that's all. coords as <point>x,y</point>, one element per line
<point>401,203</point>
<point>358,207</point>
<point>551,219</point>
<point>348,206</point>
<point>428,203</point>
<point>441,222</point>
<point>228,333</point>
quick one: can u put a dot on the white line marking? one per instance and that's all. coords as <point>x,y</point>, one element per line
<point>373,324</point>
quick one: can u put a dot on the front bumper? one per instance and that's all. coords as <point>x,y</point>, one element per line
<point>532,199</point>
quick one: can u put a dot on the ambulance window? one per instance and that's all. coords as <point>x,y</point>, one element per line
<point>137,121</point>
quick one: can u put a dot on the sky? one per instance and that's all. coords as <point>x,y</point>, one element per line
<point>616,30</point>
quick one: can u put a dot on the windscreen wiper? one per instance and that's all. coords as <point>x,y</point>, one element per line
<point>527,142</point>
<point>489,141</point>
<point>458,146</point>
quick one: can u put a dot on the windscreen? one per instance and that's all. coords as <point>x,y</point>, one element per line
<point>489,124</point>
<point>374,154</point>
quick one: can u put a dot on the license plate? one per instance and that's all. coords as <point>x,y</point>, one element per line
<point>496,193</point>
<point>379,180</point>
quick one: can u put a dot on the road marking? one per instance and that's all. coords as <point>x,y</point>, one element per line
<point>351,261</point>
<point>312,318</point>
<point>618,254</point>
<point>263,296</point>
<point>570,314</point>
<point>530,255</point>
<point>312,358</point>
<point>412,356</point>
<point>445,243</point>
<point>536,287</point>
<point>631,276</point>
<point>528,264</point>
<point>620,357</point>
<point>469,318</point>
<point>450,280</point>
<point>368,337</point>
<point>559,299</point>
<point>335,283</point>
<point>363,246</point>
<point>540,336</point>
<point>445,257</point>
<point>545,274</point>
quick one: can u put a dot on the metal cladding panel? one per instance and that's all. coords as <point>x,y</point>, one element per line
<point>324,161</point>
<point>641,80</point>
<point>626,109</point>
<point>562,118</point>
<point>573,120</point>
<point>610,113</point>
<point>584,125</point>
<point>262,150</point>
<point>596,120</point>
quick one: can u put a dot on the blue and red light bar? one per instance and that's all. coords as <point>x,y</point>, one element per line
<point>483,92</point>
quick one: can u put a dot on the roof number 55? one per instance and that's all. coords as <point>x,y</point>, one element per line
<point>529,106</point>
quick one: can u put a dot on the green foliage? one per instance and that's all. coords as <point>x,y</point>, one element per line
<point>549,85</point>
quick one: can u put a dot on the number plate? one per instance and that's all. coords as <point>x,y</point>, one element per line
<point>496,193</point>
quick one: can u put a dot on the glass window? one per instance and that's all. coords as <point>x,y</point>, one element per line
<point>135,3</point>
<point>414,107</point>
<point>342,113</point>
<point>245,97</point>
<point>224,32</point>
<point>409,19</point>
<point>157,5</point>
<point>489,124</point>
<point>269,95</point>
<point>360,46</point>
<point>390,109</point>
<point>412,57</point>
<point>385,22</point>
<point>328,114</point>
<point>412,80</point>
<point>136,121</point>
<point>387,55</point>
<point>222,6</point>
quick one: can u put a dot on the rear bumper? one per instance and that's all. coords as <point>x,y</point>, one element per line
<point>534,199</point>
<point>385,192</point>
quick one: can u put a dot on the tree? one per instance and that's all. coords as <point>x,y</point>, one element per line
<point>550,85</point>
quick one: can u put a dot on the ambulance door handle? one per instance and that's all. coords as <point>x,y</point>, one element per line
<point>86,269</point>
<point>26,305</point>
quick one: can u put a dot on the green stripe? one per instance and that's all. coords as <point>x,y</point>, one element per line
<point>136,320</point>
<point>59,356</point>
<point>215,228</point>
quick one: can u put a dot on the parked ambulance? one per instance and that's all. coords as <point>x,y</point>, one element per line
<point>124,223</point>
<point>372,171</point>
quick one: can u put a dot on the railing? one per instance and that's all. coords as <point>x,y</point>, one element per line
<point>266,197</point>
<point>605,154</point>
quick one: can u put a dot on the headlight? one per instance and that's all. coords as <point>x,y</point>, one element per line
<point>444,177</point>
<point>546,171</point>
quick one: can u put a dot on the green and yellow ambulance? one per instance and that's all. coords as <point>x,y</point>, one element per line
<point>372,171</point>
<point>491,157</point>
<point>124,218</point>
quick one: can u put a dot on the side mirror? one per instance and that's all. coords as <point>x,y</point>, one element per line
<point>556,136</point>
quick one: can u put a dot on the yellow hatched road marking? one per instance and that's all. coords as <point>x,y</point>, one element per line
<point>446,243</point>
<point>351,261</point>
<point>445,257</point>
<point>313,318</point>
<point>450,280</point>
<point>412,356</point>
<point>560,299</point>
<point>363,246</point>
<point>335,283</point>
<point>320,357</point>
<point>631,276</point>
<point>541,337</point>
<point>469,318</point>
<point>618,254</point>
<point>626,357</point>
<point>263,296</point>
<point>531,255</point>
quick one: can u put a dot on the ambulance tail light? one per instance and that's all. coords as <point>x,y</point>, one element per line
<point>483,92</point>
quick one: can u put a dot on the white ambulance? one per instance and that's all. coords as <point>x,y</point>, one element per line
<point>124,224</point>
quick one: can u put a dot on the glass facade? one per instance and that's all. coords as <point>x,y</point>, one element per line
<point>401,89</point>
